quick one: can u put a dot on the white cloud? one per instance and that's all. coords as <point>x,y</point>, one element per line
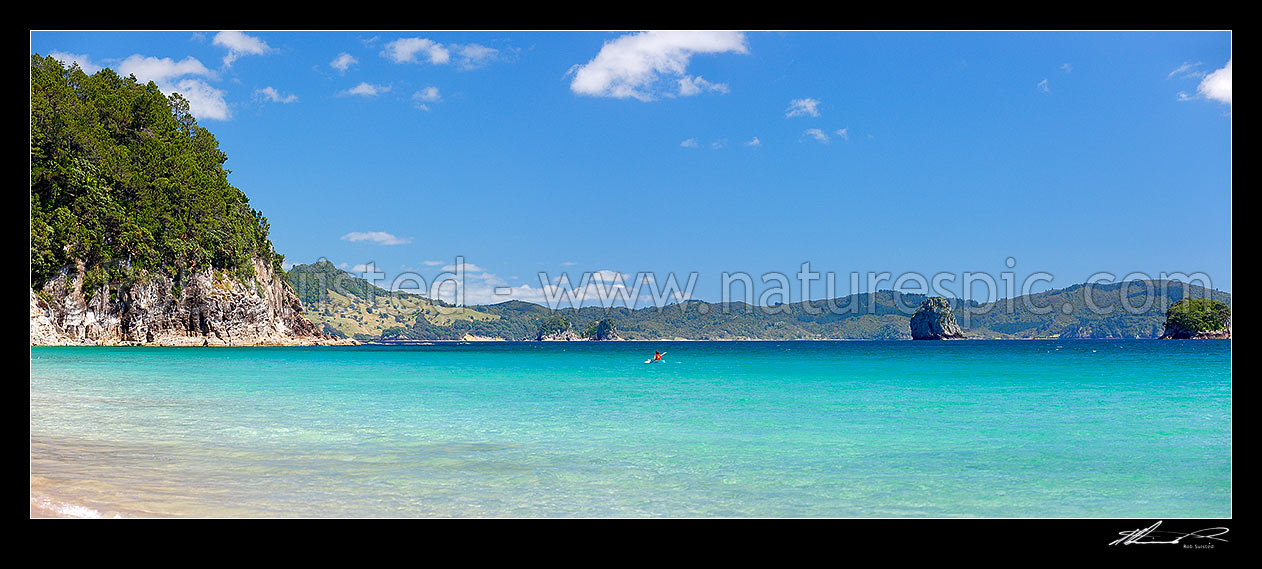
<point>1067,68</point>
<point>160,70</point>
<point>81,58</point>
<point>367,90</point>
<point>1217,85</point>
<point>817,134</point>
<point>630,66</point>
<point>239,44</point>
<point>689,86</point>
<point>802,108</point>
<point>404,50</point>
<point>427,95</point>
<point>689,143</point>
<point>844,133</point>
<point>270,93</point>
<point>473,56</point>
<point>432,263</point>
<point>343,62</point>
<point>378,237</point>
<point>1187,69</point>
<point>754,142</point>
<point>1042,85</point>
<point>204,101</point>
<point>568,263</point>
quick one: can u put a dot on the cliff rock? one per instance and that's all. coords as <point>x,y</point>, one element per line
<point>208,309</point>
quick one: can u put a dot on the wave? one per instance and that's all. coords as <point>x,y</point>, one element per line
<point>47,507</point>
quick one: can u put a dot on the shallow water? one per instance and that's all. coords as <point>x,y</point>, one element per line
<point>1080,428</point>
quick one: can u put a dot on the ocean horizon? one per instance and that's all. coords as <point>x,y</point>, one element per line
<point>1000,428</point>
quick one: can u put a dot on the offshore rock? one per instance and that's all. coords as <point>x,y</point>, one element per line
<point>935,321</point>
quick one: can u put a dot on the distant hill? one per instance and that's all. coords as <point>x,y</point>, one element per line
<point>346,305</point>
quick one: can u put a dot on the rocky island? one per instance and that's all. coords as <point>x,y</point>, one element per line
<point>1198,319</point>
<point>935,321</point>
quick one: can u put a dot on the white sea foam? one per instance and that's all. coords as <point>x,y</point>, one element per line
<point>71,510</point>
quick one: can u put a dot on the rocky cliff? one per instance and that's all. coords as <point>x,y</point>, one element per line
<point>935,321</point>
<point>208,309</point>
<point>1198,319</point>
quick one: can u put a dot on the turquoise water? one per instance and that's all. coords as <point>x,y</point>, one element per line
<point>852,429</point>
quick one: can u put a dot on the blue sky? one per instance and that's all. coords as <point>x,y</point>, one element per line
<point>625,152</point>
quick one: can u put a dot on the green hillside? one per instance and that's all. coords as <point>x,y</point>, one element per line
<point>125,181</point>
<point>346,306</point>
<point>355,308</point>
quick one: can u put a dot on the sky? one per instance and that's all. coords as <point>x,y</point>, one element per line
<point>631,156</point>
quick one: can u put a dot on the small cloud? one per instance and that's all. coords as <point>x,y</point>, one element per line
<point>275,96</point>
<point>689,86</point>
<point>432,263</point>
<point>343,62</point>
<point>817,134</point>
<point>239,44</point>
<point>754,142</point>
<point>633,65</point>
<point>466,267</point>
<point>566,264</point>
<point>1217,85</point>
<point>75,58</point>
<point>405,50</point>
<point>427,95</point>
<point>1067,68</point>
<point>802,108</point>
<point>473,56</point>
<point>378,237</point>
<point>1187,69</point>
<point>1042,85</point>
<point>367,90</point>
<point>718,144</point>
<point>1183,96</point>
<point>198,37</point>
<point>844,133</point>
<point>689,143</point>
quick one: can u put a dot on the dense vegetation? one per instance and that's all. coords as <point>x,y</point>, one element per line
<point>1198,315</point>
<point>125,181</point>
<point>553,325</point>
<point>601,330</point>
<point>1134,309</point>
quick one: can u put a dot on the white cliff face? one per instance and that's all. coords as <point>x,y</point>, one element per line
<point>208,310</point>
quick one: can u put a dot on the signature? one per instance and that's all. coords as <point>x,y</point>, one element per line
<point>1150,535</point>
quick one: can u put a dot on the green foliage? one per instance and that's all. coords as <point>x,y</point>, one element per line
<point>1198,315</point>
<point>600,330</point>
<point>553,325</point>
<point>124,180</point>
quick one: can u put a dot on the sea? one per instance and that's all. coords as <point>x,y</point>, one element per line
<point>848,429</point>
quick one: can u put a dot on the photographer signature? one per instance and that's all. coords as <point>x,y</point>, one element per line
<point>1150,535</point>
